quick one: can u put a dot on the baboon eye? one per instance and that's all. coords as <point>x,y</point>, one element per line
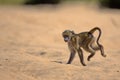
<point>65,36</point>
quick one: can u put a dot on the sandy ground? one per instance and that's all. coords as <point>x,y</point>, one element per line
<point>32,48</point>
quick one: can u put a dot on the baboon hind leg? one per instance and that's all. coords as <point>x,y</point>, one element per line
<point>88,47</point>
<point>99,47</point>
<point>102,50</point>
<point>92,53</point>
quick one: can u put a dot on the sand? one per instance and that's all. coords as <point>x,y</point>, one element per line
<point>32,48</point>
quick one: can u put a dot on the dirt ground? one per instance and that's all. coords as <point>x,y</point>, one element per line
<point>32,48</point>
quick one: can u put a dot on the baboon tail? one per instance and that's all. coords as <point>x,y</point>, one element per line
<point>100,32</point>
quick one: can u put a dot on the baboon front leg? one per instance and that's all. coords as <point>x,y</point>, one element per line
<point>80,54</point>
<point>72,55</point>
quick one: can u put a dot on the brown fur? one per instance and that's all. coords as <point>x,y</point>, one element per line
<point>86,40</point>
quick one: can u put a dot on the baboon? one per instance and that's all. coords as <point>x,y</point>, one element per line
<point>85,40</point>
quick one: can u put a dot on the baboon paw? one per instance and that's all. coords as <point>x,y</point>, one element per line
<point>88,59</point>
<point>104,55</point>
<point>68,63</point>
<point>84,64</point>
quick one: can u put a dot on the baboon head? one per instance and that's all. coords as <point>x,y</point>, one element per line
<point>67,34</point>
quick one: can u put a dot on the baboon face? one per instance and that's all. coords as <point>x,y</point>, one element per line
<point>67,35</point>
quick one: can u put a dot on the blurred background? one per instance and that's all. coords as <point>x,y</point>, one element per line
<point>102,3</point>
<point>32,47</point>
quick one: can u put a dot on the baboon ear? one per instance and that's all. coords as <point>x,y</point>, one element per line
<point>73,32</point>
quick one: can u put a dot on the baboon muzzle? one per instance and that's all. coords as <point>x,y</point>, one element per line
<point>66,39</point>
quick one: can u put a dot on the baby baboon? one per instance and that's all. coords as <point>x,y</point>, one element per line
<point>86,40</point>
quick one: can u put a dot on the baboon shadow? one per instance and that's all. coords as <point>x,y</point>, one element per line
<point>60,62</point>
